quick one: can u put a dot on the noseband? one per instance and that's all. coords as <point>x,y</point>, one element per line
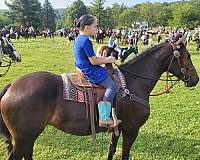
<point>182,62</point>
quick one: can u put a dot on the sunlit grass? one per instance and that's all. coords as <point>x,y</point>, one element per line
<point>171,133</point>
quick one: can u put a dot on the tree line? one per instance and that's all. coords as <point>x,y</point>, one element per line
<point>30,12</point>
<point>182,13</point>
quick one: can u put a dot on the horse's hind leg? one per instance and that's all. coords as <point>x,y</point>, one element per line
<point>15,154</point>
<point>112,147</point>
<point>8,145</point>
<point>22,148</point>
<point>6,135</point>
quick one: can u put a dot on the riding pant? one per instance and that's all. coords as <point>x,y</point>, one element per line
<point>111,89</point>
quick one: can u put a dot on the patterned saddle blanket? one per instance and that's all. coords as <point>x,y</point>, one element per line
<point>75,88</point>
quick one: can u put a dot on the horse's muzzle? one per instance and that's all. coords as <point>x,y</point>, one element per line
<point>17,57</point>
<point>192,81</point>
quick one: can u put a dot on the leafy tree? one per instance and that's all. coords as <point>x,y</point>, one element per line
<point>48,15</point>
<point>164,15</point>
<point>26,12</point>
<point>150,12</point>
<point>4,20</point>
<point>116,11</point>
<point>74,11</point>
<point>196,6</point>
<point>98,10</point>
<point>128,17</point>
<point>59,18</point>
<point>183,15</point>
<point>108,21</point>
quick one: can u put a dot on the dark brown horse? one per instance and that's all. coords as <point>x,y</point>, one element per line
<point>33,101</point>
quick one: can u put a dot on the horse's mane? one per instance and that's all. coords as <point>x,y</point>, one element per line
<point>100,49</point>
<point>143,54</point>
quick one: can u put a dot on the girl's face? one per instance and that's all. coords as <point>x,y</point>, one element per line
<point>91,30</point>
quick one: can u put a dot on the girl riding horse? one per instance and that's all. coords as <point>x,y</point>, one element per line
<point>89,64</point>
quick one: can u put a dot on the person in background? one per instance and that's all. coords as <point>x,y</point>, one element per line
<point>113,43</point>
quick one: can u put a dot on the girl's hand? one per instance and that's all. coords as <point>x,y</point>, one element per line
<point>110,59</point>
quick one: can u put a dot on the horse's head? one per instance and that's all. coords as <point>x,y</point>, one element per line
<point>105,51</point>
<point>181,64</point>
<point>8,49</point>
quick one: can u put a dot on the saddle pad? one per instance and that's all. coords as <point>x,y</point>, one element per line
<point>70,92</point>
<point>76,93</point>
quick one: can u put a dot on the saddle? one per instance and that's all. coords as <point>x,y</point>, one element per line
<point>79,79</point>
<point>81,83</point>
<point>77,88</point>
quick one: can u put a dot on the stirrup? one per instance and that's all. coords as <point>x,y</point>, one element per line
<point>109,123</point>
<point>106,123</point>
<point>116,121</point>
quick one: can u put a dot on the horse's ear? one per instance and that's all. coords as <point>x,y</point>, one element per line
<point>181,40</point>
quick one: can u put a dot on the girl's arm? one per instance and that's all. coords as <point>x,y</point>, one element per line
<point>101,60</point>
<point>88,48</point>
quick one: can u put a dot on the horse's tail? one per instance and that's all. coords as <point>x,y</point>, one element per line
<point>3,129</point>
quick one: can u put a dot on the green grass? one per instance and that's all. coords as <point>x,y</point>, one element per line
<point>172,131</point>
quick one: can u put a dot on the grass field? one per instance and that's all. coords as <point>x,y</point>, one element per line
<point>172,131</point>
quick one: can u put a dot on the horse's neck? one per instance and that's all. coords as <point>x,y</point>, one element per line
<point>151,66</point>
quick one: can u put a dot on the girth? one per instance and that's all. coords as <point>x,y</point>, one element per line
<point>90,90</point>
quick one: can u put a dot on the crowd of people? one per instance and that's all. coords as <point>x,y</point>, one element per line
<point>130,37</point>
<point>26,32</point>
<point>125,36</point>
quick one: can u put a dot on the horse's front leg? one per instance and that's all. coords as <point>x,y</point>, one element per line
<point>113,145</point>
<point>128,139</point>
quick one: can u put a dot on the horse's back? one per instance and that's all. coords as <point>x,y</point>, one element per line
<point>31,83</point>
<point>33,86</point>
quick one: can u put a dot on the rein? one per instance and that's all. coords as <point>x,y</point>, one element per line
<point>8,66</point>
<point>176,55</point>
<point>167,87</point>
<point>142,76</point>
<point>168,79</point>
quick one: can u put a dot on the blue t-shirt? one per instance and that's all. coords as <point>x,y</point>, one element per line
<point>83,50</point>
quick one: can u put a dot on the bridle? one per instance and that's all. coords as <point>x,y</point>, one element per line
<point>183,66</point>
<point>182,63</point>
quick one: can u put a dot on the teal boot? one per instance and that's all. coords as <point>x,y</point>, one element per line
<point>104,108</point>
